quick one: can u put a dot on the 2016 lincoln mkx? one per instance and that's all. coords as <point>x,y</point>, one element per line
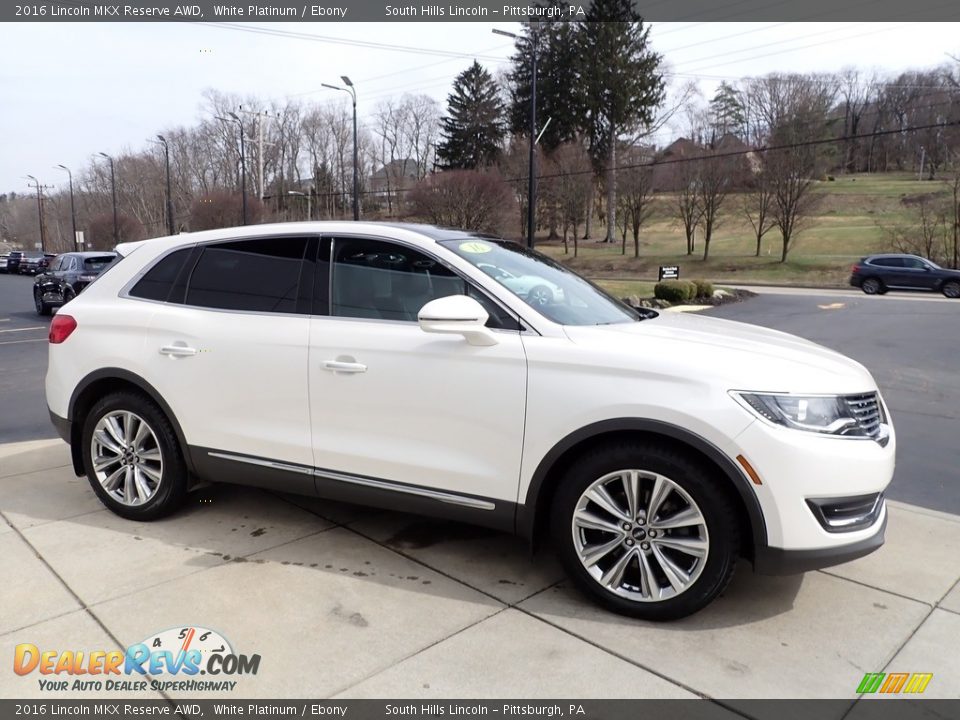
<point>389,365</point>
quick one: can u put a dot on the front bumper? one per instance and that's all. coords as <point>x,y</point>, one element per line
<point>821,497</point>
<point>777,561</point>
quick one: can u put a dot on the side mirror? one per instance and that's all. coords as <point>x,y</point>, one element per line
<point>457,315</point>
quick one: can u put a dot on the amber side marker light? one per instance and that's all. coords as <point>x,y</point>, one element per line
<point>750,471</point>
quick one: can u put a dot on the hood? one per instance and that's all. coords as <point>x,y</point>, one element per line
<point>741,356</point>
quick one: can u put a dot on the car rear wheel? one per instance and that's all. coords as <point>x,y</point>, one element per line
<point>872,286</point>
<point>645,531</point>
<point>40,304</point>
<point>132,457</point>
<point>951,289</point>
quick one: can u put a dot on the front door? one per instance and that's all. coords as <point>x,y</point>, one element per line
<point>407,410</point>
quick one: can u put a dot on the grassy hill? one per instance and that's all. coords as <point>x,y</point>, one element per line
<point>848,224</point>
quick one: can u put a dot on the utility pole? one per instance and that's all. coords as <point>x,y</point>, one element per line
<point>262,117</point>
<point>243,161</point>
<point>532,162</point>
<point>113,188</point>
<point>73,211</point>
<point>166,157</point>
<point>40,188</point>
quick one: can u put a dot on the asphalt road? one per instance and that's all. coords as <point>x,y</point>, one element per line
<point>911,343</point>
<point>23,363</point>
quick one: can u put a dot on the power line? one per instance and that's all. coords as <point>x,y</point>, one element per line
<point>326,39</point>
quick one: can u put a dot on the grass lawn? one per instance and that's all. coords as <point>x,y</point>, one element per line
<point>849,223</point>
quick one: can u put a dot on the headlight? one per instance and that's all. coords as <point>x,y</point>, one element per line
<point>843,415</point>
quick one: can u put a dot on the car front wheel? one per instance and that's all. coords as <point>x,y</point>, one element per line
<point>951,289</point>
<point>541,295</point>
<point>40,304</point>
<point>132,457</point>
<point>645,531</point>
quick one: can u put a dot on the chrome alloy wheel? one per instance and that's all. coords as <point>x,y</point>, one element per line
<point>126,457</point>
<point>640,535</point>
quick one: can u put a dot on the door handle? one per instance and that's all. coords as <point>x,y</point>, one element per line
<point>178,351</point>
<point>344,367</point>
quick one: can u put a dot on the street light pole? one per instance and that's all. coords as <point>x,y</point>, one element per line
<point>113,189</point>
<point>532,163</point>
<point>166,157</point>
<point>243,161</point>
<point>39,187</point>
<point>73,211</point>
<point>356,148</point>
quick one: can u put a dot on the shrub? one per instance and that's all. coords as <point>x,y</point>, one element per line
<point>467,199</point>
<point>675,291</point>
<point>704,288</point>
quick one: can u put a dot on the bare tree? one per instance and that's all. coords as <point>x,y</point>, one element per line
<point>636,194</point>
<point>757,206</point>
<point>716,176</point>
<point>468,199</point>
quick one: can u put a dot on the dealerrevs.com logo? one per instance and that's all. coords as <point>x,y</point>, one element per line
<point>173,659</point>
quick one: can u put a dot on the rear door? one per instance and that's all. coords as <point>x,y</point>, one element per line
<point>227,348</point>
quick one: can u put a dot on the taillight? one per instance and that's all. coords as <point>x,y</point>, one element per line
<point>855,269</point>
<point>61,327</point>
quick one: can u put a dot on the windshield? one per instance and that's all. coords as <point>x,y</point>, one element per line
<point>551,289</point>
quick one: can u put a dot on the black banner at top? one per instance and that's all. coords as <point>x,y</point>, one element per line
<point>261,11</point>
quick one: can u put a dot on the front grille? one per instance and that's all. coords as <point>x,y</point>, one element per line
<point>847,514</point>
<point>866,409</point>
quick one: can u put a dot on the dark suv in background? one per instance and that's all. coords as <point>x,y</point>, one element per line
<point>13,261</point>
<point>67,275</point>
<point>875,274</point>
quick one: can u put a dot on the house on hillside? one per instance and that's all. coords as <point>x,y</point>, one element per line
<point>396,175</point>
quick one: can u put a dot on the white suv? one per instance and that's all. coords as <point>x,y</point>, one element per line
<point>387,365</point>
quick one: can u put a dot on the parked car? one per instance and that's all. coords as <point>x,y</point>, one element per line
<point>13,261</point>
<point>4,258</point>
<point>66,277</point>
<point>34,262</point>
<point>380,364</point>
<point>876,274</point>
<point>532,288</point>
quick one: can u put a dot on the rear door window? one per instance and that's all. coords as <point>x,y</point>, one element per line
<point>257,275</point>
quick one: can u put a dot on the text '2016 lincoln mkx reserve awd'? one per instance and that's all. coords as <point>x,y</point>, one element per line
<point>403,366</point>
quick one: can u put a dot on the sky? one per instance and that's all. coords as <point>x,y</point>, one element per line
<point>71,90</point>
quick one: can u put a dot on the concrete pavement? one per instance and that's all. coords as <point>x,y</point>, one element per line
<point>342,601</point>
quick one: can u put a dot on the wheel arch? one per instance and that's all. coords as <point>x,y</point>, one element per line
<point>102,382</point>
<point>531,514</point>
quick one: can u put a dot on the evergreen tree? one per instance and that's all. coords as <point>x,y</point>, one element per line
<point>473,127</point>
<point>621,83</point>
<point>557,86</point>
<point>727,112</point>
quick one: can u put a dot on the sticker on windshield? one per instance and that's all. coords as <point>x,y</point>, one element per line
<point>475,247</point>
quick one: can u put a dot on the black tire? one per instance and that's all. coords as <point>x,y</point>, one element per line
<point>171,491</point>
<point>41,306</point>
<point>951,289</point>
<point>699,482</point>
<point>873,286</point>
